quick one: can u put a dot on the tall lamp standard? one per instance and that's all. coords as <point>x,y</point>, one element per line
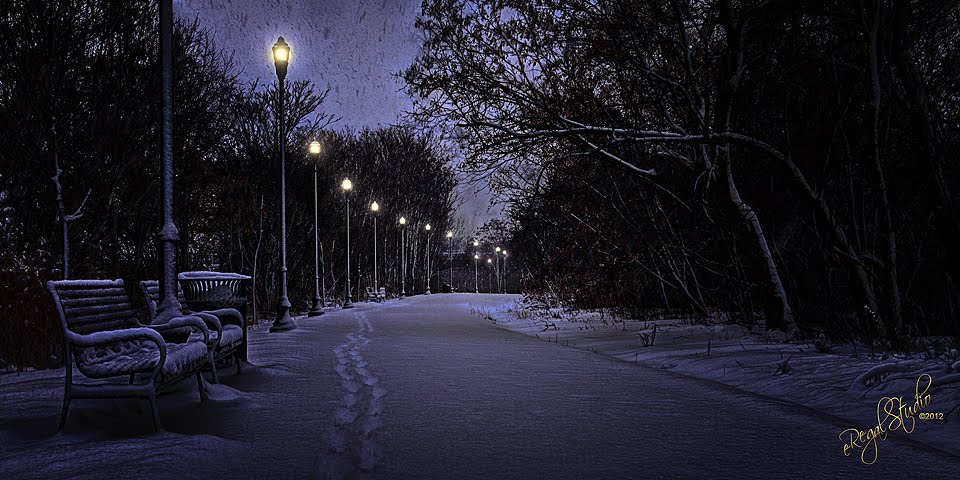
<point>427,228</point>
<point>403,257</point>
<point>496,266</point>
<point>476,260</point>
<point>315,309</point>
<point>504,272</point>
<point>283,322</point>
<point>347,185</point>
<point>450,254</point>
<point>375,207</point>
<point>168,235</point>
<point>489,280</point>
<point>476,273</point>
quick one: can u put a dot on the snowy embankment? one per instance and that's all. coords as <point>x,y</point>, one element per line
<point>846,382</point>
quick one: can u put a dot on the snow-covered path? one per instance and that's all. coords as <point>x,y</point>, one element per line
<point>426,388</point>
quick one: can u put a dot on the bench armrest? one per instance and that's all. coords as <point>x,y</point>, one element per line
<point>213,323</point>
<point>110,337</point>
<point>182,322</point>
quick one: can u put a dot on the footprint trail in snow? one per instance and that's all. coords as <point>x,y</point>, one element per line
<point>350,448</point>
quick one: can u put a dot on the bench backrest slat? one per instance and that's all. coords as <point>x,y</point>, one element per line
<point>87,306</point>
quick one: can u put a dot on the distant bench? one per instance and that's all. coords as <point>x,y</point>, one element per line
<point>104,338</point>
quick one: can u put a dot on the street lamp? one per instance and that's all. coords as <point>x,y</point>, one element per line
<point>347,185</point>
<point>450,254</point>
<point>375,207</point>
<point>476,272</point>
<point>427,228</point>
<point>496,266</point>
<point>168,236</point>
<point>489,280</point>
<point>403,257</point>
<point>315,308</point>
<point>505,289</point>
<point>283,322</point>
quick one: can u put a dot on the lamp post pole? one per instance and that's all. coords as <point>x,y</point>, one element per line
<point>315,308</point>
<point>450,255</point>
<point>427,228</point>
<point>347,185</point>
<point>169,306</point>
<point>476,273</point>
<point>489,277</point>
<point>496,266</point>
<point>283,322</point>
<point>375,207</point>
<point>403,257</point>
<point>505,289</point>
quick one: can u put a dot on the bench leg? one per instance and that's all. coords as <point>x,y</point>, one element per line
<point>155,412</point>
<point>213,366</point>
<point>237,360</point>
<point>65,410</point>
<point>132,376</point>
<point>203,392</point>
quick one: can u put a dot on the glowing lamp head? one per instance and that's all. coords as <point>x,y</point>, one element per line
<point>428,227</point>
<point>476,243</point>
<point>489,260</point>
<point>504,253</point>
<point>476,256</point>
<point>449,234</point>
<point>281,57</point>
<point>315,148</point>
<point>403,221</point>
<point>498,249</point>
<point>347,185</point>
<point>375,206</point>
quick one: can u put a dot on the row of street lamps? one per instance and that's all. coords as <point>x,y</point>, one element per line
<point>495,261</point>
<point>283,320</point>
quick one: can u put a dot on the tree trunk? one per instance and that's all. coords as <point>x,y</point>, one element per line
<point>895,320</point>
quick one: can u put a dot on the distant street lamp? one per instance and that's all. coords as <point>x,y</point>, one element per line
<point>375,207</point>
<point>476,272</point>
<point>403,257</point>
<point>450,254</point>
<point>496,267</point>
<point>427,228</point>
<point>505,289</point>
<point>283,322</point>
<point>315,309</point>
<point>489,279</point>
<point>347,185</point>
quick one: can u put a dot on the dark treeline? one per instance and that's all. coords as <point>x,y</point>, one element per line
<point>80,159</point>
<point>791,164</point>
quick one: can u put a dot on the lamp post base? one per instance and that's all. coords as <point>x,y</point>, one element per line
<point>348,303</point>
<point>427,292</point>
<point>283,323</point>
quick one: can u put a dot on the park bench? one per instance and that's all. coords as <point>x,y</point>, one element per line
<point>376,295</point>
<point>106,342</point>
<point>215,292</point>
<point>225,324</point>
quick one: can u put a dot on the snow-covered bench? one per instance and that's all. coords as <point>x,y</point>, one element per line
<point>376,295</point>
<point>226,325</point>
<point>104,338</point>
<point>214,291</point>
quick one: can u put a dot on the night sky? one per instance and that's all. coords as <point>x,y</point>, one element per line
<point>353,47</point>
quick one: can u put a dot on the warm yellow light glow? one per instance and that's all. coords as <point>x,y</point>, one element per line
<point>504,253</point>
<point>476,243</point>
<point>375,207</point>
<point>347,185</point>
<point>428,227</point>
<point>281,54</point>
<point>315,148</point>
<point>476,256</point>
<point>403,221</point>
<point>498,249</point>
<point>489,260</point>
<point>449,234</point>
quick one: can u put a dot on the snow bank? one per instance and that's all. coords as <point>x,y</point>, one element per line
<point>847,383</point>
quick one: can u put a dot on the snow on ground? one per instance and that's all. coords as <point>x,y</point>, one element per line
<point>427,387</point>
<point>733,356</point>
